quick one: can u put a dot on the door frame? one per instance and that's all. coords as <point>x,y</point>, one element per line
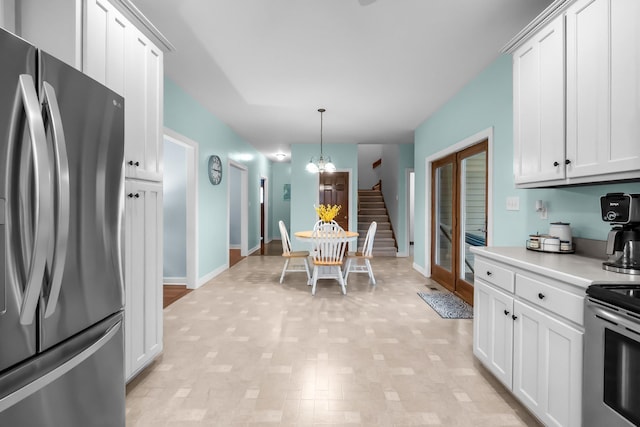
<point>244,208</point>
<point>191,148</point>
<point>461,145</point>
<point>267,237</point>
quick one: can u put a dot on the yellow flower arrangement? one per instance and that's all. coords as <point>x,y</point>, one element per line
<point>327,212</point>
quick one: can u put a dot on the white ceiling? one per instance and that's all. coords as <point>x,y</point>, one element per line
<point>379,67</point>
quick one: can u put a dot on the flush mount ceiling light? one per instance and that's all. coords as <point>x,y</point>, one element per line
<point>322,164</point>
<point>280,156</point>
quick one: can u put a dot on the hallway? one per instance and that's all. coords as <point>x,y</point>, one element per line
<point>244,350</point>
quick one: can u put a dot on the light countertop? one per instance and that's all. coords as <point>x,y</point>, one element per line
<point>574,269</point>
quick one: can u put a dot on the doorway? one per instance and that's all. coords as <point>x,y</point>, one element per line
<point>459,216</point>
<point>238,213</point>
<point>180,213</point>
<point>334,190</point>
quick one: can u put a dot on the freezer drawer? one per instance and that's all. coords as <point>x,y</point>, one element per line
<point>77,383</point>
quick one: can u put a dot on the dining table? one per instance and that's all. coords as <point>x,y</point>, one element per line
<point>308,234</point>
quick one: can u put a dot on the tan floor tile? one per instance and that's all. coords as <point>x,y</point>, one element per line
<point>244,350</point>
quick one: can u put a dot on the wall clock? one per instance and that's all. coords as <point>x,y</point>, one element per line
<point>215,170</point>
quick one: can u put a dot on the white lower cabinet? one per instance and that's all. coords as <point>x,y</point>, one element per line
<point>547,366</point>
<point>143,274</point>
<point>530,339</point>
<point>493,330</point>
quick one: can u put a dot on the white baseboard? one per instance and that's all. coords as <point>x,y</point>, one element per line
<point>174,280</point>
<point>253,249</point>
<point>420,270</point>
<point>234,246</point>
<point>204,279</point>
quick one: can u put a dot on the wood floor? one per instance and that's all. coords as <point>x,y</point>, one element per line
<point>172,293</point>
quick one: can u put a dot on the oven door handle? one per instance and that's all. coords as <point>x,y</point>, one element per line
<point>615,318</point>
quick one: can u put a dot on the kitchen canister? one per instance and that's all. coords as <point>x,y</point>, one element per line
<point>561,230</point>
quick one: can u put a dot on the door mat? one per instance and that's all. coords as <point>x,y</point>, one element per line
<point>447,305</point>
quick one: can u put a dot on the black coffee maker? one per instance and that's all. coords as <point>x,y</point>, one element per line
<point>623,244</point>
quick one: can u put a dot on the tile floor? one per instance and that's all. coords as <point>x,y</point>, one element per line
<point>244,350</point>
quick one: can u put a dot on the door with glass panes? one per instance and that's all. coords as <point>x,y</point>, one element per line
<point>459,217</point>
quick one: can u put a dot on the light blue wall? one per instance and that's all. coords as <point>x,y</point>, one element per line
<point>281,209</point>
<point>405,161</point>
<point>186,116</point>
<point>487,102</point>
<point>174,201</point>
<point>304,185</point>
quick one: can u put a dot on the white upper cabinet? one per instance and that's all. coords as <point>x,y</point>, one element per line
<point>586,130</point>
<point>538,95</point>
<point>603,89</point>
<point>121,57</point>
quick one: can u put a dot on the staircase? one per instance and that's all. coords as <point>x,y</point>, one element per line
<point>371,207</point>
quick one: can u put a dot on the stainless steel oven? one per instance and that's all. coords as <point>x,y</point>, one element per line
<point>611,379</point>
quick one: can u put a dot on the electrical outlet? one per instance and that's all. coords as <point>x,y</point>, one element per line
<point>513,203</point>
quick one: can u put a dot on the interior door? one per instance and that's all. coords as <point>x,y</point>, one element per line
<point>334,190</point>
<point>459,217</point>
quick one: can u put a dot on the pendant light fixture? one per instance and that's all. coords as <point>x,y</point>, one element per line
<point>323,164</point>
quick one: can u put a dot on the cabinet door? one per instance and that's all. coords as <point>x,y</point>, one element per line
<point>143,274</point>
<point>119,56</point>
<point>144,89</point>
<point>547,366</point>
<point>603,89</point>
<point>538,91</point>
<point>493,330</point>
<point>105,36</point>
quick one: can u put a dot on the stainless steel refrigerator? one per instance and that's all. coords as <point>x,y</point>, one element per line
<point>61,212</point>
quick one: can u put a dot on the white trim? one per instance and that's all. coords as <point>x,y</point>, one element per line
<point>244,207</point>
<point>421,270</point>
<point>174,280</point>
<point>211,275</point>
<point>552,11</point>
<point>266,238</point>
<point>192,202</point>
<point>133,12</point>
<point>407,242</point>
<point>461,145</point>
<point>253,249</point>
<point>234,246</point>
<point>8,15</point>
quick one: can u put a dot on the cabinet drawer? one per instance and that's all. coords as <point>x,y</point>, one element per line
<point>553,299</point>
<point>494,274</point>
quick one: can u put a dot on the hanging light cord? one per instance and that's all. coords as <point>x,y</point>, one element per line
<point>321,110</point>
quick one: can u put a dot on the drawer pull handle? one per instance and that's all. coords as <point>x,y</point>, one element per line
<point>556,164</point>
<point>489,273</point>
<point>514,317</point>
<point>567,162</point>
<point>506,312</point>
<point>541,295</point>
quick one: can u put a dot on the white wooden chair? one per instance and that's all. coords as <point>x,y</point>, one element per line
<point>289,255</point>
<point>360,262</point>
<point>330,242</point>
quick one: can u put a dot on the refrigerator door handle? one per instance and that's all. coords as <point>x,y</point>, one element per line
<point>62,203</point>
<point>27,99</point>
<point>46,379</point>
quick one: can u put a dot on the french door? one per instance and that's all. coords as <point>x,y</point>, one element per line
<point>459,217</point>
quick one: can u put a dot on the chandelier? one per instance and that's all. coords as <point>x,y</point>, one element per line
<point>322,164</point>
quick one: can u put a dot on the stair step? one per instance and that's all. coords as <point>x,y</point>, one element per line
<point>371,205</point>
<point>364,226</point>
<point>372,211</point>
<point>385,252</point>
<point>377,218</point>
